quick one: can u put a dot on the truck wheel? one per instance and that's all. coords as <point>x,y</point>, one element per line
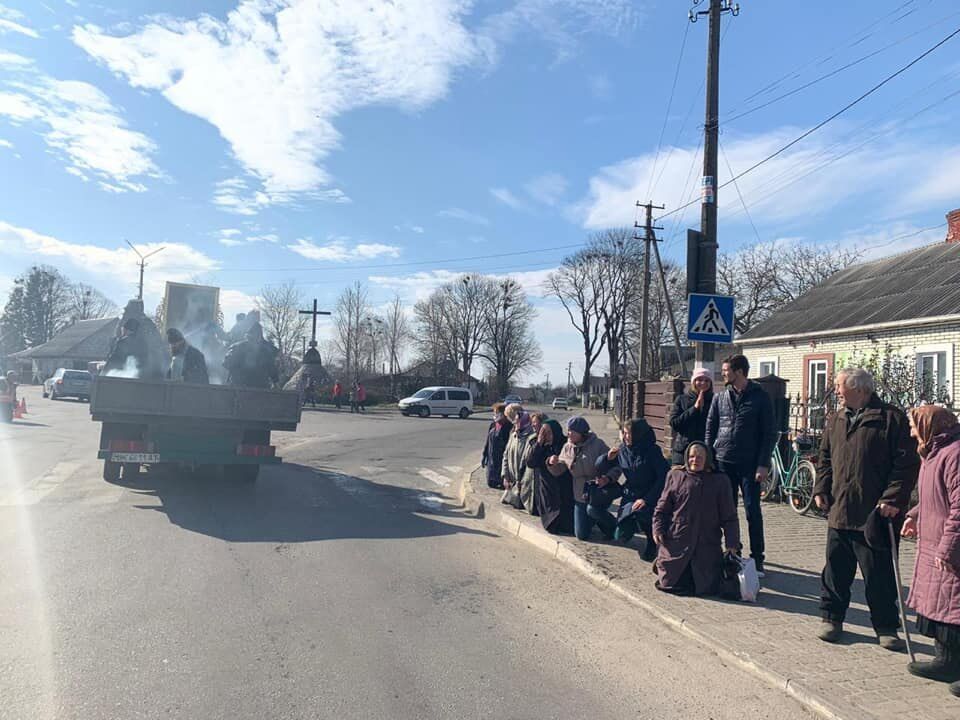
<point>464,413</point>
<point>111,471</point>
<point>130,470</point>
<point>424,412</point>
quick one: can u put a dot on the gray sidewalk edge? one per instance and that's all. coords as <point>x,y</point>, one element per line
<point>566,552</point>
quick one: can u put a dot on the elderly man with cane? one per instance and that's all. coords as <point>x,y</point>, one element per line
<point>868,464</point>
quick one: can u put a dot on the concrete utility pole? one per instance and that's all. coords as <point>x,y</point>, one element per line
<point>707,255</point>
<point>143,264</point>
<point>648,239</point>
<point>569,382</point>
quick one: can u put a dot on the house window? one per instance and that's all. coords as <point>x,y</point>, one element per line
<point>934,373</point>
<point>768,366</point>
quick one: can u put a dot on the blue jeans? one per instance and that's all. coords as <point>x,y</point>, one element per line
<point>743,480</point>
<point>586,516</point>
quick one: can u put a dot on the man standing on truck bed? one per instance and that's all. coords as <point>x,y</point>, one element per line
<point>130,352</point>
<point>187,364</point>
<point>252,362</point>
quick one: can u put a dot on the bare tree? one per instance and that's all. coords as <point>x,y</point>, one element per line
<point>432,339</point>
<point>85,302</point>
<point>578,285</point>
<point>466,301</point>
<point>351,311</point>
<point>279,307</point>
<point>510,346</point>
<point>397,334</point>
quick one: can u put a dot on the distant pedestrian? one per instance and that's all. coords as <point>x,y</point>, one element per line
<point>553,484</point>
<point>352,399</point>
<point>741,432</point>
<point>867,461</point>
<point>688,419</point>
<point>497,435</point>
<point>338,394</point>
<point>361,395</point>
<point>592,494</point>
<point>935,522</point>
<point>644,471</point>
<point>695,508</point>
<point>606,403</point>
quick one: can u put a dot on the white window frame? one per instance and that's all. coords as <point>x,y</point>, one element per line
<point>946,348</point>
<point>769,359</point>
<point>809,370</point>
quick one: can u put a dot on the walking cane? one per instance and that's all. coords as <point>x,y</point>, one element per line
<point>895,556</point>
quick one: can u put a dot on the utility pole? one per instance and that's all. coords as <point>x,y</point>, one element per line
<point>648,239</point>
<point>569,384</point>
<point>707,255</point>
<point>143,264</point>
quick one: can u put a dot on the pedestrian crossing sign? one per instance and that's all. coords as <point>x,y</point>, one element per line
<point>710,318</point>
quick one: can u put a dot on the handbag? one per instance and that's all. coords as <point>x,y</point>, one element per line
<point>511,497</point>
<point>740,579</point>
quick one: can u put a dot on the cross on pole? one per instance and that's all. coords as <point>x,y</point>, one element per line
<point>314,313</point>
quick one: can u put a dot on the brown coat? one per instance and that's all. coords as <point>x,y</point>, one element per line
<point>692,511</point>
<point>873,461</point>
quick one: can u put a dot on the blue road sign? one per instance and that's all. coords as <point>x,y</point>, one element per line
<point>710,318</point>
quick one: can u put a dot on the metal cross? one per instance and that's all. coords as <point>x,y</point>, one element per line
<point>314,313</point>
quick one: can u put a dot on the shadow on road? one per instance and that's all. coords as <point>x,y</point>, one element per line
<point>293,503</point>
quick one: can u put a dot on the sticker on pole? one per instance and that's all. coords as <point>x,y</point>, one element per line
<point>710,318</point>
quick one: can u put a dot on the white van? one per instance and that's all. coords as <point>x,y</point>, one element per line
<point>443,401</point>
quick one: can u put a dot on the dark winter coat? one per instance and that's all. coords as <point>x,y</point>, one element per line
<point>194,367</point>
<point>553,484</point>
<point>643,467</point>
<point>252,363</point>
<point>688,423</point>
<point>124,348</point>
<point>934,593</point>
<point>692,512</point>
<point>492,459</point>
<point>873,461</point>
<point>741,427</point>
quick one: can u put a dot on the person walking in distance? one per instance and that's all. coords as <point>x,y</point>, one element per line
<point>688,418</point>
<point>361,395</point>
<point>741,433</point>
<point>868,460</point>
<point>935,522</point>
<point>338,394</point>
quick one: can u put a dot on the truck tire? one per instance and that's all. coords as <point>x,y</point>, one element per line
<point>111,471</point>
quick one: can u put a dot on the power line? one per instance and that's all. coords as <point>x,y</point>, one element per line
<point>901,237</point>
<point>666,115</point>
<point>726,160</point>
<point>833,117</point>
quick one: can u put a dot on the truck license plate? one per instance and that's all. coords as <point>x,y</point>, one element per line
<point>135,457</point>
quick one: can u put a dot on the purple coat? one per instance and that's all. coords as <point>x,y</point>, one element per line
<point>935,594</point>
<point>690,515</point>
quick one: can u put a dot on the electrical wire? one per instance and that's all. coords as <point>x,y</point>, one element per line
<point>666,115</point>
<point>726,160</point>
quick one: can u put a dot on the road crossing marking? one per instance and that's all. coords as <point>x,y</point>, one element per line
<point>434,477</point>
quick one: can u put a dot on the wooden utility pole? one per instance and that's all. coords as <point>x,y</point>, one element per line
<point>648,239</point>
<point>707,255</point>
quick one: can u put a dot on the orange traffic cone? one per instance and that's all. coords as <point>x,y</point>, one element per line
<point>17,412</point>
<point>23,406</point>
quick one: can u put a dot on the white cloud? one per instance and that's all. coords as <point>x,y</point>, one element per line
<point>8,16</point>
<point>234,195</point>
<point>465,215</point>
<point>338,250</point>
<point>407,227</point>
<point>231,238</point>
<point>177,262</point>
<point>233,302</point>
<point>81,125</point>
<point>9,59</point>
<point>273,77</point>
<point>6,144</point>
<point>889,239</point>
<point>941,184</point>
<point>507,198</point>
<point>547,189</point>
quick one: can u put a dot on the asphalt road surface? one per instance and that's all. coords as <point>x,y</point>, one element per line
<point>341,585</point>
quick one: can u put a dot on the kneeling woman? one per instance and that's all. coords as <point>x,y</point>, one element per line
<point>695,507</point>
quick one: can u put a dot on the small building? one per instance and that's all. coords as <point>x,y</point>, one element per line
<point>905,307</point>
<point>425,374</point>
<point>84,342</point>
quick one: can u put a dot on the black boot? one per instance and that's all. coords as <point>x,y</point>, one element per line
<point>955,689</point>
<point>649,551</point>
<point>945,666</point>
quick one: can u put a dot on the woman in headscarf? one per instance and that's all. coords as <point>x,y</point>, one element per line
<point>688,418</point>
<point>935,522</point>
<point>644,471</point>
<point>695,507</point>
<point>518,447</point>
<point>497,435</point>
<point>553,484</point>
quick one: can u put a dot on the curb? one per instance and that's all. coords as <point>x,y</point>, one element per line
<point>565,552</point>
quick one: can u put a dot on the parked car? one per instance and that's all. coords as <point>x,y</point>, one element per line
<point>68,383</point>
<point>560,404</point>
<point>510,399</point>
<point>444,401</point>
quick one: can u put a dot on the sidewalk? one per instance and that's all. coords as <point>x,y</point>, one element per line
<point>774,639</point>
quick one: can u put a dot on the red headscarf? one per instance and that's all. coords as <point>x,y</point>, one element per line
<point>930,421</point>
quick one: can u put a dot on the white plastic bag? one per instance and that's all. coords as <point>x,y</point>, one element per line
<point>749,580</point>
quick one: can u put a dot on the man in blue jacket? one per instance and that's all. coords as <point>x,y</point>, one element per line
<point>742,432</point>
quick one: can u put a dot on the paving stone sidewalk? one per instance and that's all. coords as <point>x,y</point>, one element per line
<point>776,638</point>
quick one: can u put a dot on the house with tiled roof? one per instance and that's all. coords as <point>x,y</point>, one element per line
<point>905,305</point>
<point>73,347</point>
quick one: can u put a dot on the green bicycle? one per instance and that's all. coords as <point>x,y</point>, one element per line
<point>795,480</point>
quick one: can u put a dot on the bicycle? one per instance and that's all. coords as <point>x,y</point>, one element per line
<point>795,480</point>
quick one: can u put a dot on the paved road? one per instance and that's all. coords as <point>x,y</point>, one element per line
<point>341,585</point>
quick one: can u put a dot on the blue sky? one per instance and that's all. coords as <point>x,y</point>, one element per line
<point>324,142</point>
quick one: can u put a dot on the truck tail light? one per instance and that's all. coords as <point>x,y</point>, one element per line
<point>256,450</point>
<point>135,446</point>
<point>59,382</point>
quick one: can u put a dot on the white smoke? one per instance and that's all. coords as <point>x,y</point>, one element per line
<point>130,370</point>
